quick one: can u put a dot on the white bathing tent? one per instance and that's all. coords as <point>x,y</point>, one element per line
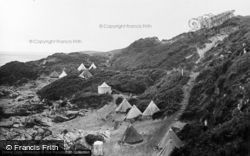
<point>98,148</point>
<point>169,142</point>
<point>54,74</point>
<point>81,67</point>
<point>104,89</point>
<point>85,74</point>
<point>124,106</point>
<point>131,136</point>
<point>92,66</point>
<point>151,109</point>
<point>63,74</point>
<point>133,113</point>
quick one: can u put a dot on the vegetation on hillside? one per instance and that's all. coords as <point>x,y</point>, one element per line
<point>91,100</point>
<point>68,86</point>
<point>221,97</point>
<point>152,53</point>
<point>167,94</point>
<point>18,73</point>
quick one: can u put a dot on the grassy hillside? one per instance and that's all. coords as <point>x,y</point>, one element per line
<point>221,97</point>
<point>18,73</point>
<point>70,62</point>
<point>152,53</point>
<point>68,86</point>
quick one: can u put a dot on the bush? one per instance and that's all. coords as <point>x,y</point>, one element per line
<point>18,73</point>
<point>119,100</point>
<point>217,91</point>
<point>90,138</point>
<point>68,86</point>
<point>78,147</point>
<point>91,100</point>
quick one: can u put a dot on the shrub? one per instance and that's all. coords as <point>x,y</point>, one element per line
<point>118,100</point>
<point>91,138</point>
<point>91,100</point>
<point>18,72</point>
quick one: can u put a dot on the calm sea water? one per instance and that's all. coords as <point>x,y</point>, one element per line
<point>5,58</point>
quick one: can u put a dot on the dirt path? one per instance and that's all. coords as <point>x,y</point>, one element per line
<point>162,132</point>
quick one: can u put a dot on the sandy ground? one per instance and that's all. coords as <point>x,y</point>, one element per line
<point>93,122</point>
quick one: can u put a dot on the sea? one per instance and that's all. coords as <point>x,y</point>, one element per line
<point>6,58</point>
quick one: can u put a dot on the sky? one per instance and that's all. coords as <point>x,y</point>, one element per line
<point>34,27</point>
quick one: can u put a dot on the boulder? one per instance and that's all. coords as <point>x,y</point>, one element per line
<point>37,120</point>
<point>78,147</point>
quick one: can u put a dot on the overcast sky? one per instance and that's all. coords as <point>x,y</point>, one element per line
<point>26,26</point>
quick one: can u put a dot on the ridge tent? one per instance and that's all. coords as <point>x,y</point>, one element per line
<point>151,109</point>
<point>133,113</point>
<point>123,107</point>
<point>131,136</point>
<point>81,67</point>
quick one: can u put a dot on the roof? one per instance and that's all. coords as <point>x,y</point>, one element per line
<point>133,113</point>
<point>81,67</point>
<point>104,84</point>
<point>98,143</point>
<point>151,109</point>
<point>124,106</point>
<point>131,136</point>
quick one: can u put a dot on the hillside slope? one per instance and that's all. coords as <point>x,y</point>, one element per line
<point>218,109</point>
<point>19,72</point>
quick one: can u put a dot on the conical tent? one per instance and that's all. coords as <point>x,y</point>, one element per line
<point>81,67</point>
<point>123,107</point>
<point>151,109</point>
<point>54,74</point>
<point>170,135</point>
<point>63,74</point>
<point>133,113</point>
<point>169,147</point>
<point>92,66</point>
<point>131,136</point>
<point>85,74</point>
